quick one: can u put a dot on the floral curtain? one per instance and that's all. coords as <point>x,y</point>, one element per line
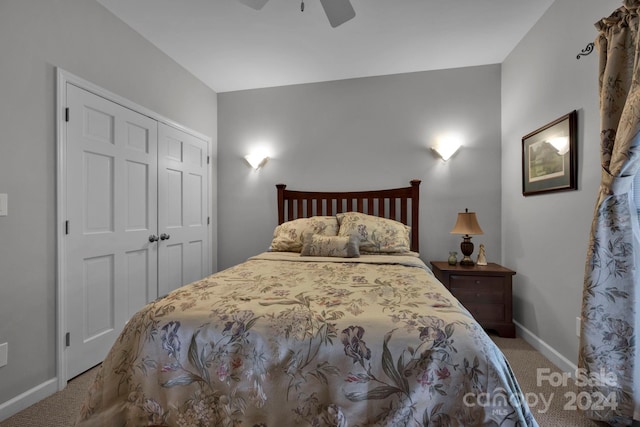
<point>608,360</point>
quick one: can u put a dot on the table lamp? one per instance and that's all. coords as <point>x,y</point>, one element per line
<point>466,224</point>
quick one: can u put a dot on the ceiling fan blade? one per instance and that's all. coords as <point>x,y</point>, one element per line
<point>254,4</point>
<point>338,11</point>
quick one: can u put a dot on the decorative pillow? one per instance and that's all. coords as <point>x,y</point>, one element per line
<point>377,235</point>
<point>338,246</point>
<point>287,237</point>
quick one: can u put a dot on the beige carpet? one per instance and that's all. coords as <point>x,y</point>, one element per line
<point>525,362</point>
<point>57,410</point>
<point>61,409</point>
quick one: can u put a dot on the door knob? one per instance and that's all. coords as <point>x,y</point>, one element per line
<point>153,238</point>
<point>165,236</point>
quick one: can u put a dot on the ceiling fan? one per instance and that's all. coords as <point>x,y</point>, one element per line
<point>338,11</point>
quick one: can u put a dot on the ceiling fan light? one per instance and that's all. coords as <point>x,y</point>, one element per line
<point>338,11</point>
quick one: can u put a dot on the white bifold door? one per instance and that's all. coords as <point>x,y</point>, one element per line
<point>182,214</point>
<point>136,219</point>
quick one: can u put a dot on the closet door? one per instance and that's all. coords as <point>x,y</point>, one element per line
<point>111,206</point>
<point>183,253</point>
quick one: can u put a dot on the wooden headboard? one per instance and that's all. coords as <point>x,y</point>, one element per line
<point>400,204</point>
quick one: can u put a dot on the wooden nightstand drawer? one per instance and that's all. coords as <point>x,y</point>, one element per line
<point>479,290</point>
<point>486,312</point>
<point>477,296</point>
<point>460,281</point>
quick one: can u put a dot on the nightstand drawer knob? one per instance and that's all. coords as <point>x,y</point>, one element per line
<point>478,282</point>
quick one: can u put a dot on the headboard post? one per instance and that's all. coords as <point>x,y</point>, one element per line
<point>281,188</point>
<point>415,213</point>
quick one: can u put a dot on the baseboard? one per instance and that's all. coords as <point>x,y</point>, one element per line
<point>28,398</point>
<point>564,364</point>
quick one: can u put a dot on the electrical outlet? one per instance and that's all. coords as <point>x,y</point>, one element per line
<point>578,325</point>
<point>4,353</point>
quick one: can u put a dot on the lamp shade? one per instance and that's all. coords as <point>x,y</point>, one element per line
<point>467,223</point>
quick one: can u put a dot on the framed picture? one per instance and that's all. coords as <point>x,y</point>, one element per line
<point>549,157</point>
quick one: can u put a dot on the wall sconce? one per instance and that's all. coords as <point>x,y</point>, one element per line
<point>256,160</point>
<point>466,224</point>
<point>447,146</point>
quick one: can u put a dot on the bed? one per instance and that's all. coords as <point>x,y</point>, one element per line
<point>339,324</point>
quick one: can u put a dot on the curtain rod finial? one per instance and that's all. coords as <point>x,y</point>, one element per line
<point>586,51</point>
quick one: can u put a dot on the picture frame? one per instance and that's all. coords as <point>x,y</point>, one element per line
<point>549,157</point>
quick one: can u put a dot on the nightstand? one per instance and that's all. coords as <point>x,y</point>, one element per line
<point>484,290</point>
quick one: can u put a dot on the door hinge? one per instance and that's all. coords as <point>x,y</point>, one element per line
<point>208,158</point>
<point>66,227</point>
<point>67,339</point>
<point>66,114</point>
<point>208,220</point>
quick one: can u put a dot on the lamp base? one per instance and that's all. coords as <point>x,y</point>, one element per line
<point>467,261</point>
<point>466,247</point>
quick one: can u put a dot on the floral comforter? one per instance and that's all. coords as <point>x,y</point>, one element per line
<point>284,340</point>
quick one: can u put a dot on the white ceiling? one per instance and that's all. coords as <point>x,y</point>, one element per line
<point>230,46</point>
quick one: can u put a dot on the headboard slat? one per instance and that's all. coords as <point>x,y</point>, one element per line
<point>290,209</point>
<point>387,202</point>
<point>300,203</point>
<point>403,211</point>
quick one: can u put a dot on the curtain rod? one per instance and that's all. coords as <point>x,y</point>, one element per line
<point>586,51</point>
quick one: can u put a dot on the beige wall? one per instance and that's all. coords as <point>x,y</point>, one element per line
<point>363,134</point>
<point>82,37</point>
<point>544,237</point>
